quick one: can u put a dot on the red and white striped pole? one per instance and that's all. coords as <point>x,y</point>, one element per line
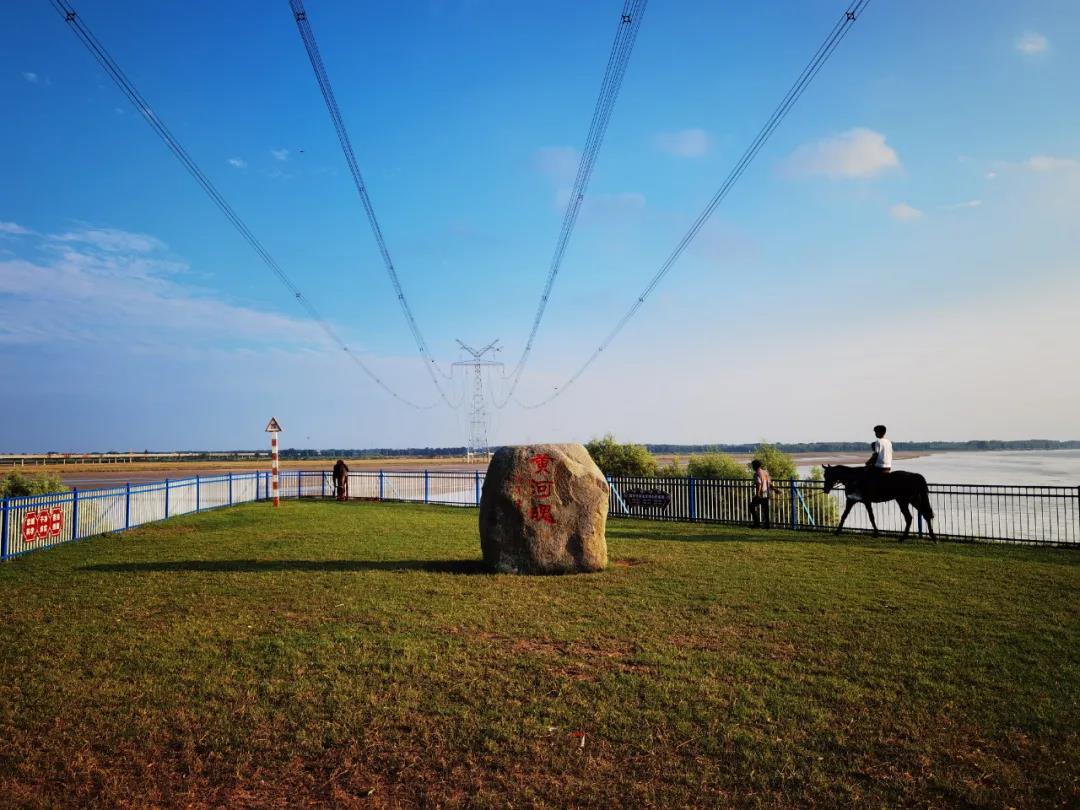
<point>274,467</point>
<point>273,428</point>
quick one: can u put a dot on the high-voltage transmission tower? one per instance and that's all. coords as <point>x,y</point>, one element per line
<point>478,418</point>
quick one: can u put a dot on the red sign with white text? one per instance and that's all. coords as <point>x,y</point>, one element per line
<point>43,524</point>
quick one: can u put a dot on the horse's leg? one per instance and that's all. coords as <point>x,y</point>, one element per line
<point>907,518</point>
<point>926,512</point>
<point>847,508</point>
<point>929,524</point>
<point>870,511</point>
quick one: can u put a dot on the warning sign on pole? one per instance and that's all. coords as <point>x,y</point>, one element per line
<point>273,428</point>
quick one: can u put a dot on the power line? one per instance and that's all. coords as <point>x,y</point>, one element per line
<point>323,78</point>
<point>625,35</point>
<point>97,50</point>
<point>839,31</point>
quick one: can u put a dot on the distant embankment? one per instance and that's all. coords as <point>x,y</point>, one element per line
<point>120,457</point>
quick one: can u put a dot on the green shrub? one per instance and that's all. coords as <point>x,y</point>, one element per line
<point>717,465</point>
<point>781,466</point>
<point>615,459</point>
<point>672,470</point>
<point>824,508</point>
<point>15,484</point>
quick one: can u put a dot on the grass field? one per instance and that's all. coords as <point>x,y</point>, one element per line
<point>358,655</point>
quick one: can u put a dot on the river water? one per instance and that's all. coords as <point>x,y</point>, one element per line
<point>1027,467</point>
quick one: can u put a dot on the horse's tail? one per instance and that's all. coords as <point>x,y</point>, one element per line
<point>923,499</point>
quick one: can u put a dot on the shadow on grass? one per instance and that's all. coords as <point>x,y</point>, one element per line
<point>260,566</point>
<point>719,533</point>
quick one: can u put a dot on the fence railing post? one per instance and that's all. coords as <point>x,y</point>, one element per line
<point>693,499</point>
<point>198,499</point>
<point>230,488</point>
<point>4,531</point>
<point>127,505</point>
<point>166,498</point>
<point>427,486</point>
<point>75,513</point>
<point>477,488</point>
<point>381,484</point>
<point>794,505</point>
<point>323,476</point>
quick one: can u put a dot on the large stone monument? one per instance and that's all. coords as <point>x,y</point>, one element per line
<point>544,510</point>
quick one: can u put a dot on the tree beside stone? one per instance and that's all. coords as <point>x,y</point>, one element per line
<point>544,511</point>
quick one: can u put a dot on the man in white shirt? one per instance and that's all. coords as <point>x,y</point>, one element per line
<point>881,460</point>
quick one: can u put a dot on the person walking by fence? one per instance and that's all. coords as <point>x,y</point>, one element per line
<point>341,480</point>
<point>759,503</point>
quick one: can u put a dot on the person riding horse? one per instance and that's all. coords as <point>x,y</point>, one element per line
<point>880,461</point>
<point>875,482</point>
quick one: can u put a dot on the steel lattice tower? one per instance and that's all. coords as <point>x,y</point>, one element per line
<point>478,417</point>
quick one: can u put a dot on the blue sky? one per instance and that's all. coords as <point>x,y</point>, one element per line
<point>903,250</point>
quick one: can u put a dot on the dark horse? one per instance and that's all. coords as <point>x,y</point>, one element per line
<point>906,488</point>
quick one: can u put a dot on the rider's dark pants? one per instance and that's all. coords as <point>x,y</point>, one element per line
<point>758,505</point>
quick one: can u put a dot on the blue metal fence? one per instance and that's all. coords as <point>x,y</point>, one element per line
<point>1046,515</point>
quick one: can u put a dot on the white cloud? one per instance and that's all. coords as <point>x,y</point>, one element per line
<point>111,240</point>
<point>991,175</point>
<point>280,154</point>
<point>904,212</point>
<point>31,77</point>
<point>859,153</point>
<point>238,163</point>
<point>557,162</point>
<point>1049,163</point>
<point>1032,43</point>
<point>968,204</point>
<point>687,143</point>
<point>14,228</point>
<point>126,292</point>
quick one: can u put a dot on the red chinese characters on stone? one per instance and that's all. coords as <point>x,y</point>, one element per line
<point>541,461</point>
<point>541,488</point>
<point>542,511</point>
